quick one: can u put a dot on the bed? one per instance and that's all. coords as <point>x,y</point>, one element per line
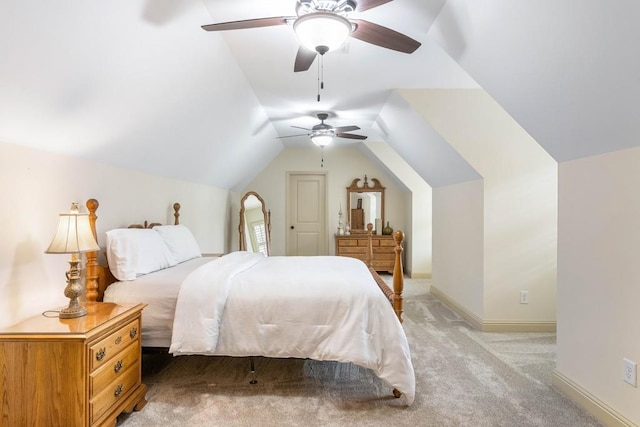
<point>247,304</point>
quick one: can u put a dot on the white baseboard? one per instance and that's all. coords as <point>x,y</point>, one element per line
<point>493,325</point>
<point>603,413</point>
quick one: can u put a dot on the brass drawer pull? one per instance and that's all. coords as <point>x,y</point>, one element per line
<point>101,353</point>
<point>118,391</point>
<point>118,366</point>
<point>118,340</point>
<point>133,332</point>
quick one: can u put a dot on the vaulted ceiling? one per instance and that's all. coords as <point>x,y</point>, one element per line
<point>139,84</point>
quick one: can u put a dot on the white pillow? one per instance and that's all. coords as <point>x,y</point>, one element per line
<point>180,241</point>
<point>132,252</point>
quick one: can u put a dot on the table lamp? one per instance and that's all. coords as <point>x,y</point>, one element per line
<point>74,236</point>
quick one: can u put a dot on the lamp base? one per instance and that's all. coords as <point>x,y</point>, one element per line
<point>73,290</point>
<point>71,312</point>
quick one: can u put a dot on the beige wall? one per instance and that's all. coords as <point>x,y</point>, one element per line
<point>342,165</point>
<point>458,239</point>
<point>520,200</point>
<point>598,276</point>
<point>418,217</point>
<point>37,185</point>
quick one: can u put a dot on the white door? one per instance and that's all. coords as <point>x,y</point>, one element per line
<point>306,214</point>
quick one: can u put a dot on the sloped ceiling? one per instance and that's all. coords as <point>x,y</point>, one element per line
<point>419,144</point>
<point>567,70</point>
<point>138,83</point>
<point>358,78</point>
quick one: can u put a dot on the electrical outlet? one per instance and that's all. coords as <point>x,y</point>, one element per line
<point>629,371</point>
<point>524,297</point>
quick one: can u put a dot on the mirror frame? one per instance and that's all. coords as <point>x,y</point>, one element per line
<point>267,221</point>
<point>366,188</point>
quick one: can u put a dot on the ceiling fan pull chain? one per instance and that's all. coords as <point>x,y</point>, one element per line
<point>321,71</point>
<point>320,74</point>
<point>319,78</point>
<point>321,157</point>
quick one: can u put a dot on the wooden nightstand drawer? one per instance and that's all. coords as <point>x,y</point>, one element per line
<point>115,391</point>
<point>47,368</point>
<point>116,367</point>
<point>105,349</point>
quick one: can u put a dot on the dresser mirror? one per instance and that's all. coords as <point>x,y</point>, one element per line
<point>365,204</point>
<point>255,224</point>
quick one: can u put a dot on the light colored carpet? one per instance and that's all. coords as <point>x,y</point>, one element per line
<point>464,378</point>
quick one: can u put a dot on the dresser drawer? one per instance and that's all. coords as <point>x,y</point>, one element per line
<point>115,368</point>
<point>365,242</point>
<point>357,246</point>
<point>388,243</point>
<point>114,391</point>
<point>383,253</point>
<point>353,250</point>
<point>105,349</point>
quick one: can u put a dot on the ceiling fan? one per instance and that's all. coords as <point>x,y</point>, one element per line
<point>323,25</point>
<point>323,134</point>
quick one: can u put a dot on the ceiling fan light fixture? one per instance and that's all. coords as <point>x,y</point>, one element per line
<point>322,29</point>
<point>322,138</point>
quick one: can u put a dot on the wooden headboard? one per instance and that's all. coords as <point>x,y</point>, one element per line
<point>99,276</point>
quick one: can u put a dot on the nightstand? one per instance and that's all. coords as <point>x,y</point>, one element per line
<point>72,372</point>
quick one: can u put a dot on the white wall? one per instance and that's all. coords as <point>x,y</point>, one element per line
<point>342,165</point>
<point>36,186</point>
<point>520,200</point>
<point>458,240</point>
<point>598,275</point>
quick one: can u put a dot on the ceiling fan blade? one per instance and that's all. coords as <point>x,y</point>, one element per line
<point>248,23</point>
<point>339,129</point>
<point>300,127</point>
<point>350,136</point>
<point>304,59</point>
<point>370,4</point>
<point>291,136</point>
<point>383,36</point>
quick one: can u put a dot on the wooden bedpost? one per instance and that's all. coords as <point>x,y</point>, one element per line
<point>398,279</point>
<point>176,213</point>
<point>92,257</point>
<point>369,244</point>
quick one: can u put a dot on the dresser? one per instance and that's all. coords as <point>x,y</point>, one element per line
<point>355,246</point>
<point>72,372</point>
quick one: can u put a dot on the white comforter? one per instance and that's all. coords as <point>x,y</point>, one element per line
<point>322,308</point>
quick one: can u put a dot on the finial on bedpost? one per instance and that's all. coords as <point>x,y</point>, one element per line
<point>369,243</point>
<point>91,286</point>
<point>398,279</point>
<point>176,213</point>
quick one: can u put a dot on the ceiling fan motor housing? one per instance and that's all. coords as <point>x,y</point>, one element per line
<point>340,7</point>
<point>323,129</point>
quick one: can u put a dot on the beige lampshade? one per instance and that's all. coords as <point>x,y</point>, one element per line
<point>74,234</point>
